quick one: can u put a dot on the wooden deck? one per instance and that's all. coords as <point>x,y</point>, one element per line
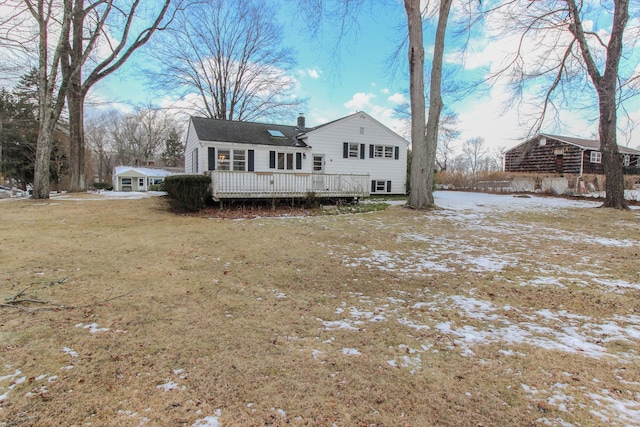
<point>268,185</point>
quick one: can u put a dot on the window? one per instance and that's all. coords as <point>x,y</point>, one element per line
<point>140,182</point>
<point>353,150</point>
<point>596,157</point>
<point>318,163</point>
<point>380,186</point>
<point>126,181</point>
<point>383,152</point>
<point>285,161</point>
<point>388,152</point>
<point>224,160</point>
<point>239,160</point>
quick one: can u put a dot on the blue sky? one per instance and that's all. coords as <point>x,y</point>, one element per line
<point>357,77</point>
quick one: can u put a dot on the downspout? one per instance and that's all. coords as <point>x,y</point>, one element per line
<point>581,170</point>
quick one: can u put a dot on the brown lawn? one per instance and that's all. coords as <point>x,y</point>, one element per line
<point>122,313</point>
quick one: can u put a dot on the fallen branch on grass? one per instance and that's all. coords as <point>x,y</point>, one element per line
<point>16,303</point>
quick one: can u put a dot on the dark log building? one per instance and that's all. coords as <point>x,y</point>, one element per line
<point>561,155</point>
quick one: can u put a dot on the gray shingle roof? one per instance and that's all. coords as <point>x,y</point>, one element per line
<point>589,144</point>
<point>246,132</point>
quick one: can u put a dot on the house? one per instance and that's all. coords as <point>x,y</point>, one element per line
<point>545,153</point>
<point>354,156</point>
<point>131,178</point>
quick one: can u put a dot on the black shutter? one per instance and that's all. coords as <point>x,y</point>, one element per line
<point>362,151</point>
<point>397,153</point>
<point>272,159</point>
<point>211,160</point>
<point>388,186</point>
<point>371,151</point>
<point>252,160</point>
<point>345,150</point>
<point>298,160</point>
<point>373,185</point>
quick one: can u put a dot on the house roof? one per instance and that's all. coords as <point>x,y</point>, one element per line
<point>119,170</point>
<point>585,144</point>
<point>247,132</point>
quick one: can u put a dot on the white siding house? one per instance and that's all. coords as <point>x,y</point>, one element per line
<point>130,178</point>
<point>350,157</point>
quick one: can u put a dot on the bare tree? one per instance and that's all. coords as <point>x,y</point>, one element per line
<point>230,55</point>
<point>448,133</point>
<point>126,25</point>
<point>424,132</point>
<point>51,18</point>
<point>67,33</point>
<point>424,141</point>
<point>97,132</point>
<point>140,136</point>
<point>560,52</point>
<point>474,153</point>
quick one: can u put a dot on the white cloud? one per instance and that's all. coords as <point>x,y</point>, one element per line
<point>386,91</point>
<point>310,72</point>
<point>313,73</point>
<point>359,101</point>
<point>487,118</point>
<point>397,98</point>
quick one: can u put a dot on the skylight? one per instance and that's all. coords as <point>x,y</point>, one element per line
<point>275,133</point>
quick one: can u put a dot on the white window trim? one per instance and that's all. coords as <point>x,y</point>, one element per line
<point>230,162</point>
<point>595,157</point>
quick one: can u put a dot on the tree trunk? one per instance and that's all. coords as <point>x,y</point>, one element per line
<point>613,169</point>
<point>75,99</point>
<point>606,85</point>
<point>435,94</point>
<point>424,138</point>
<point>420,197</point>
<point>75,106</point>
<point>42,167</point>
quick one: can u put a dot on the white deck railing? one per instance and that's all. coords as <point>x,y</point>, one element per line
<point>236,185</point>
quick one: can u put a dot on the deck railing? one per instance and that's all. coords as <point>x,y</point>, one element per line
<point>258,185</point>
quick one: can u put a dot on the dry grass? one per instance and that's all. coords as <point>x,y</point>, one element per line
<point>427,308</point>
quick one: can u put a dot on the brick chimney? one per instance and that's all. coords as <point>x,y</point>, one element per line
<point>301,121</point>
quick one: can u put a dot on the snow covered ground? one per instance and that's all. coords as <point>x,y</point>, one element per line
<point>484,322</point>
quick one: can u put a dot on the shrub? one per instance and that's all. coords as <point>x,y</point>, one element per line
<point>103,186</point>
<point>156,187</point>
<point>188,192</point>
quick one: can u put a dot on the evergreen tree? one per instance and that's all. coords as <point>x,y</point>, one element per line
<point>19,134</point>
<point>173,154</point>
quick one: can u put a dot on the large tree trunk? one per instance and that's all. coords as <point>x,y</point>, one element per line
<point>49,105</point>
<point>42,170</point>
<point>424,138</point>
<point>435,94</point>
<point>75,105</point>
<point>75,99</point>
<point>420,197</point>
<point>606,85</point>
<point>612,162</point>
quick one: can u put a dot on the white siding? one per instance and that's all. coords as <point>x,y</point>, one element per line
<point>362,129</point>
<point>193,143</point>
